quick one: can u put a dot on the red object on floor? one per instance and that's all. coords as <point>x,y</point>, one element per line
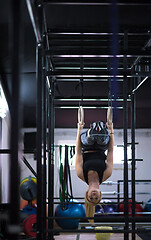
<point>138,208</point>
<point>29,225</point>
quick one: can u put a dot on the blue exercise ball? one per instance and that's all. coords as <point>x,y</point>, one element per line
<point>27,211</point>
<point>72,210</point>
<point>147,207</point>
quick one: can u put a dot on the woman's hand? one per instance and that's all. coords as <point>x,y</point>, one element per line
<point>80,126</point>
<point>110,127</point>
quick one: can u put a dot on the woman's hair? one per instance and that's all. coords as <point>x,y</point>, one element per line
<point>90,207</point>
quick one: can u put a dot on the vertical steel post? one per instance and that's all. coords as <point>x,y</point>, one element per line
<point>44,137</point>
<point>39,141</point>
<point>126,235</point>
<point>51,160</point>
<point>113,83</point>
<point>41,135</point>
<point>13,227</point>
<point>0,160</point>
<point>118,190</point>
<point>133,156</point>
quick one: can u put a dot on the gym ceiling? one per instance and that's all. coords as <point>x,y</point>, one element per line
<point>82,37</point>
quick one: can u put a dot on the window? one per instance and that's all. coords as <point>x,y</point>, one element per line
<point>118,154</point>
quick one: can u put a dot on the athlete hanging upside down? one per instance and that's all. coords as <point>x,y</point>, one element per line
<point>93,166</point>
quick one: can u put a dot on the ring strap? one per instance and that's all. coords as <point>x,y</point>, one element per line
<point>81,115</point>
<point>109,115</point>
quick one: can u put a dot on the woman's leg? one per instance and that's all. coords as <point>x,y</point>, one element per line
<point>86,139</point>
<point>102,139</point>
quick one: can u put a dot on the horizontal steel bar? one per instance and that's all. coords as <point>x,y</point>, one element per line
<point>119,213</point>
<point>71,44</point>
<point>107,218</point>
<point>98,231</point>
<point>86,79</point>
<point>102,203</point>
<point>84,43</point>
<point>85,107</point>
<point>96,53</point>
<point>96,3</point>
<point>115,183</point>
<point>113,224</point>
<point>129,143</point>
<point>136,159</point>
<point>141,180</point>
<point>85,33</point>
<point>7,151</point>
<point>89,99</point>
<point>4,151</point>
<point>95,73</point>
<point>102,198</point>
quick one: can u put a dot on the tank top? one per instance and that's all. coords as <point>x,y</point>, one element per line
<point>94,161</point>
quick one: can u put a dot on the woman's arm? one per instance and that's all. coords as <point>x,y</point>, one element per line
<point>109,159</point>
<point>79,157</point>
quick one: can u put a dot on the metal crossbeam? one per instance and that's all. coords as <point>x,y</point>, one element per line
<point>97,3</point>
<point>94,73</point>
<point>96,53</point>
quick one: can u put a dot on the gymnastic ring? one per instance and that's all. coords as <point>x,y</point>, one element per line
<point>81,115</point>
<point>109,115</point>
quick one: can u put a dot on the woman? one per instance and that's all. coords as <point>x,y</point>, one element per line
<point>92,165</point>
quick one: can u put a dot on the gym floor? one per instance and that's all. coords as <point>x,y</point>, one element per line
<point>90,237</point>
